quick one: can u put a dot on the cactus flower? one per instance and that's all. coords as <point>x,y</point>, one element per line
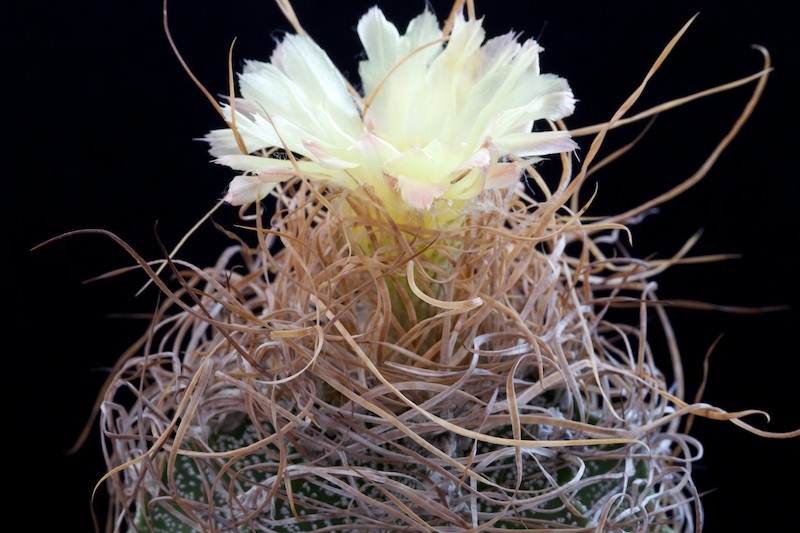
<point>439,118</point>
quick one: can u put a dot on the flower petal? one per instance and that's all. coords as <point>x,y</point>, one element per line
<point>262,173</point>
<point>480,158</point>
<point>535,143</point>
<point>381,41</point>
<point>385,47</point>
<point>468,186</point>
<point>254,164</point>
<point>278,97</point>
<point>326,159</point>
<point>503,175</point>
<point>394,74</point>
<point>439,104</point>
<point>248,189</point>
<point>549,98</point>
<point>321,83</point>
<point>254,135</point>
<point>419,194</point>
<point>508,78</point>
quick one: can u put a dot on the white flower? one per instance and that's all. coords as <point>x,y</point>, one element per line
<point>440,119</point>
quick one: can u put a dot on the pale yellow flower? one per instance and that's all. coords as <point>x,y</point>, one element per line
<point>439,120</point>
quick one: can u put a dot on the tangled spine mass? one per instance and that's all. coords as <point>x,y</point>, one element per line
<point>340,369</point>
<point>350,373</point>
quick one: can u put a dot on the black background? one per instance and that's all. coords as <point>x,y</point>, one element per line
<point>102,123</point>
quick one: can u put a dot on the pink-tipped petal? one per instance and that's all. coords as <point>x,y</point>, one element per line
<point>480,158</point>
<point>504,175</point>
<point>248,189</point>
<point>419,194</point>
